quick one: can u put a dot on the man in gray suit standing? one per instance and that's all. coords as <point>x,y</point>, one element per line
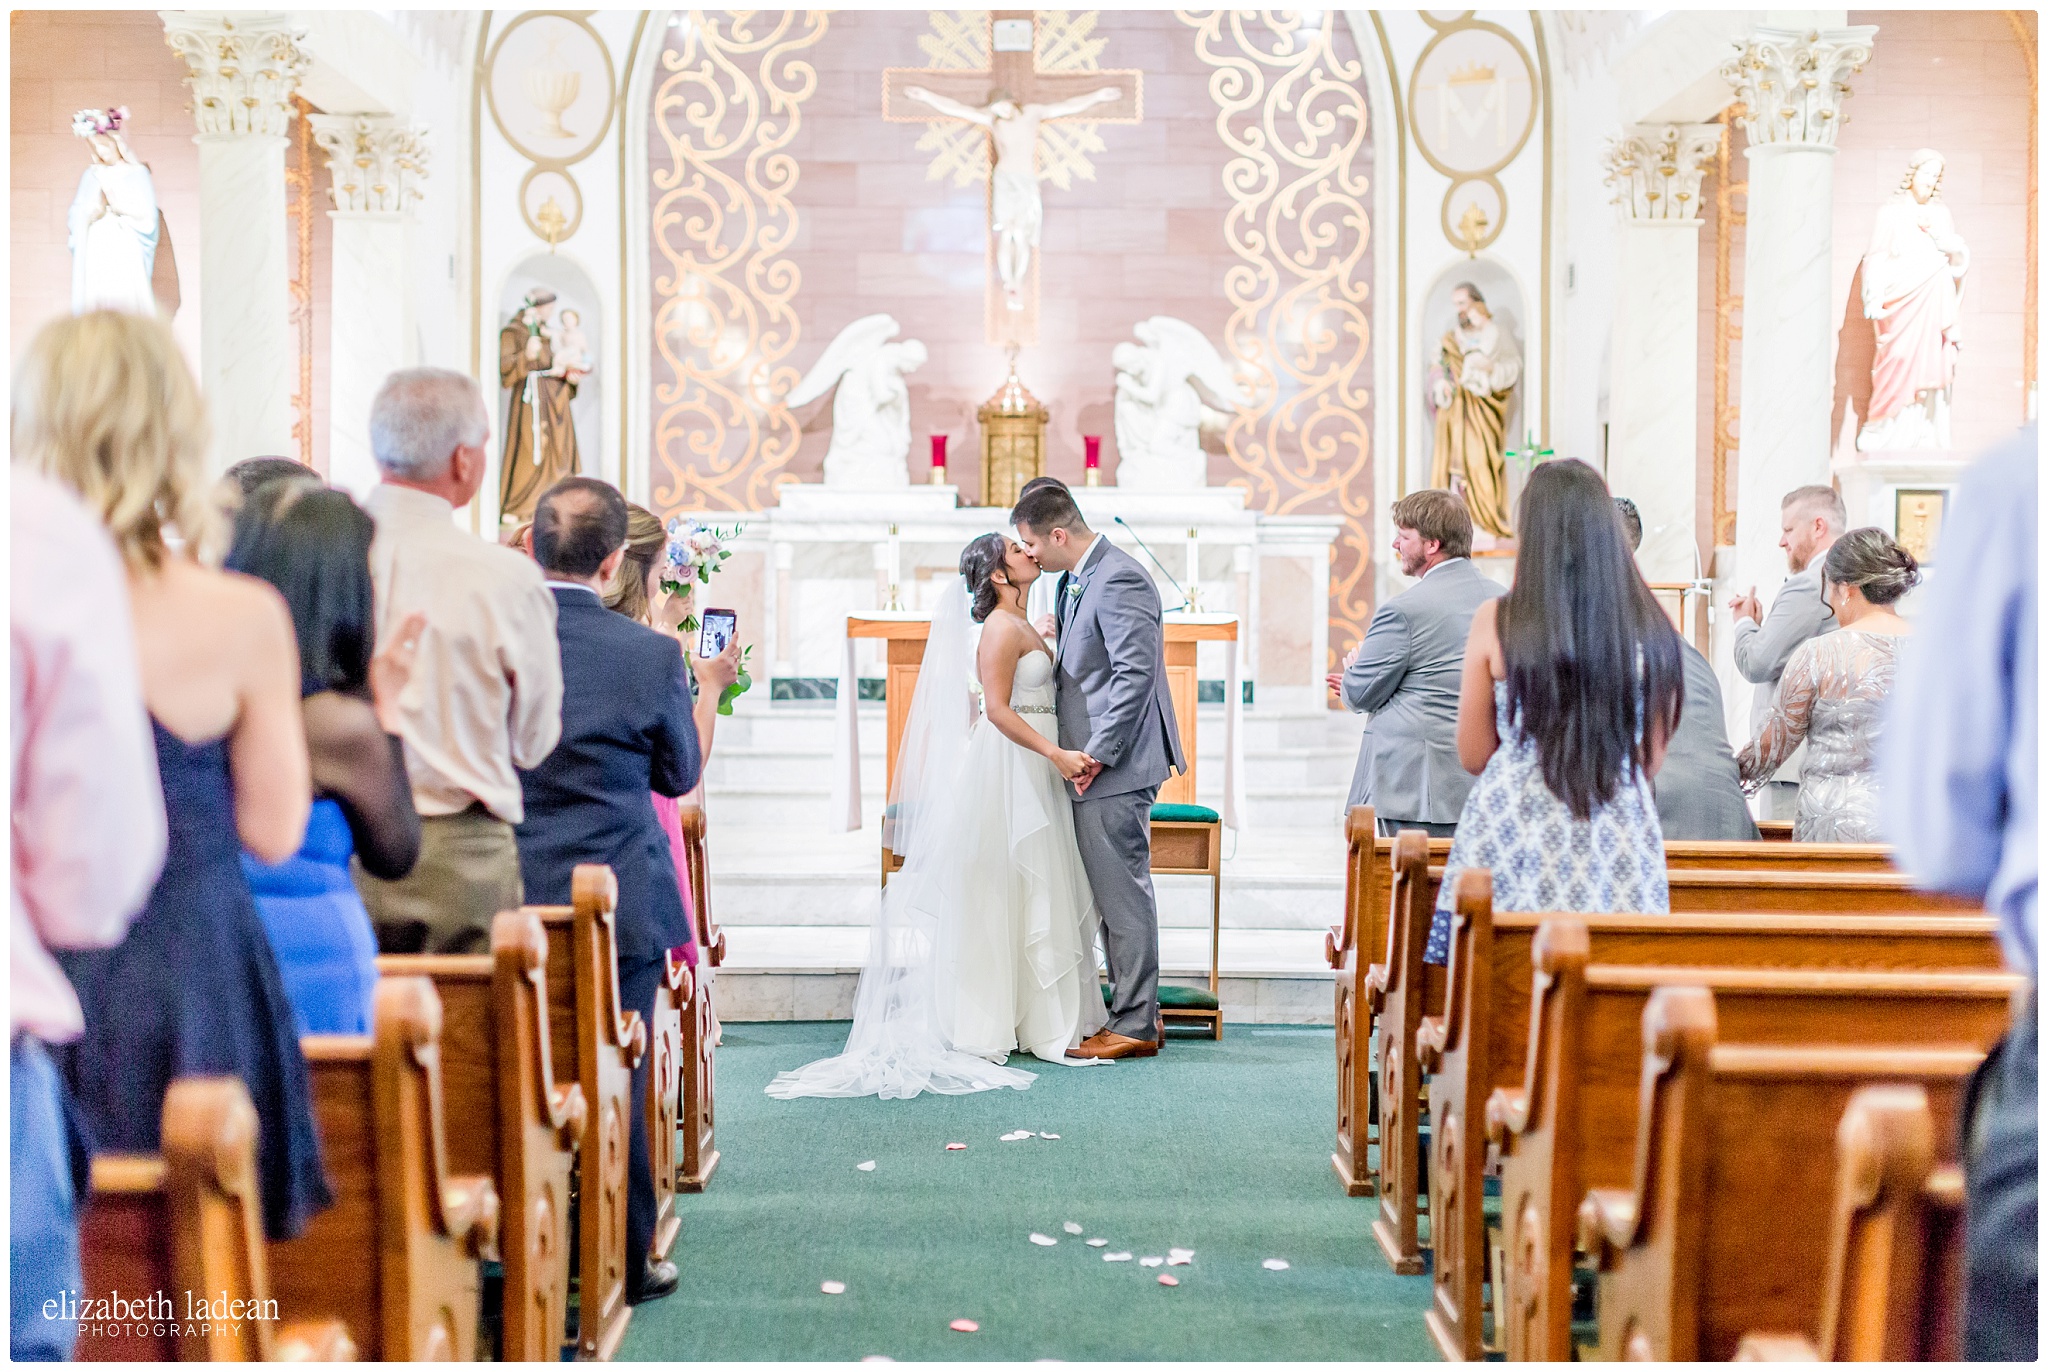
<point>1811,518</point>
<point>1407,669</point>
<point>1110,675</point>
<point>1699,789</point>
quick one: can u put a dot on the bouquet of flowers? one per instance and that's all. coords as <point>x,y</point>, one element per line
<point>696,550</point>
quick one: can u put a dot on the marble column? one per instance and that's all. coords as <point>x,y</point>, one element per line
<point>376,163</point>
<point>1792,84</point>
<point>1653,380</point>
<point>243,69</point>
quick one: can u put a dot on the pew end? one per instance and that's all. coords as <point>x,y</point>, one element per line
<point>420,1234</point>
<point>189,1220</point>
<point>1404,1000</point>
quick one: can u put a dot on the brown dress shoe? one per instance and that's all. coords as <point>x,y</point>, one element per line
<point>1109,1044</point>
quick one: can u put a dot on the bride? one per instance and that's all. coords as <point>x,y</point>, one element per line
<point>986,939</point>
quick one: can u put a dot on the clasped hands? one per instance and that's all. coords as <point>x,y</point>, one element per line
<point>1077,767</point>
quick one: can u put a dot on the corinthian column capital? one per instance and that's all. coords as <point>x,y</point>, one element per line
<point>377,161</point>
<point>1655,171</point>
<point>243,68</point>
<point>1792,82</point>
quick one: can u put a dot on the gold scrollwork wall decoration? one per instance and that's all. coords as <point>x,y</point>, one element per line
<point>730,102</point>
<point>1291,111</point>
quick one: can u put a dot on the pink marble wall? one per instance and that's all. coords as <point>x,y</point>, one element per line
<point>67,60</point>
<point>876,233</point>
<point>1956,81</point>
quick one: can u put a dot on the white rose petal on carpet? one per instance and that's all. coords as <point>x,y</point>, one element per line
<point>1274,1264</point>
<point>833,1288</point>
<point>1116,1257</point>
<point>1098,1243</point>
<point>1150,1262</point>
<point>867,1166</point>
<point>1071,1227</point>
<point>1044,1240</point>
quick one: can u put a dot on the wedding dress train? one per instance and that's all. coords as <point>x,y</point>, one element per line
<point>985,943</point>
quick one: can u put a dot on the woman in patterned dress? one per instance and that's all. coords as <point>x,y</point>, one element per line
<point>1573,684</point>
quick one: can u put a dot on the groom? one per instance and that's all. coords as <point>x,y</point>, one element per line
<point>1114,707</point>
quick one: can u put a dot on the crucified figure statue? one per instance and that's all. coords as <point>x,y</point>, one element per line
<point>1018,209</point>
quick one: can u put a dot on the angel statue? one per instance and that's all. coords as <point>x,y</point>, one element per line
<point>113,221</point>
<point>871,414</point>
<point>1162,383</point>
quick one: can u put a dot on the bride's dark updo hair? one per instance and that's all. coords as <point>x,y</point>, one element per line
<point>979,562</point>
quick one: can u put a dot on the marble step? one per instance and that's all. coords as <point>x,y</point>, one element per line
<point>812,973</point>
<point>1289,880</point>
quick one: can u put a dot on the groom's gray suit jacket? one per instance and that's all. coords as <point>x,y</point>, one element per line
<point>1113,699</point>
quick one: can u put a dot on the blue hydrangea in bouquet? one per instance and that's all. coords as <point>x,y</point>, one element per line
<point>695,551</point>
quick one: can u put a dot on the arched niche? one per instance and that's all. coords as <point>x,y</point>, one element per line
<point>1507,302</point>
<point>574,289</point>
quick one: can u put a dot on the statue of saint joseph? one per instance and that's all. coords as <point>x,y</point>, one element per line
<point>1470,387</point>
<point>540,434</point>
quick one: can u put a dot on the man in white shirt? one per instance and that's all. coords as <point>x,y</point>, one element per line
<point>485,697</point>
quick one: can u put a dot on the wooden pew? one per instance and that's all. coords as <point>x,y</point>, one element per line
<point>1571,1126</point>
<point>517,1124</point>
<point>1351,946</point>
<point>1722,1225</point>
<point>604,1041</point>
<point>190,1221</point>
<point>1895,1259</point>
<point>664,1101</point>
<point>1480,1043</point>
<point>697,1150</point>
<point>1691,892</point>
<point>1397,993</point>
<point>397,1257</point>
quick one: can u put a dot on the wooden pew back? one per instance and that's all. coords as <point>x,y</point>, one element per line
<point>396,1258</point>
<point>589,1027</point>
<point>186,1222</point>
<point>1398,992</point>
<point>1350,948</point>
<point>1723,1226</point>
<point>517,1124</point>
<point>696,1114</point>
<point>1573,1124</point>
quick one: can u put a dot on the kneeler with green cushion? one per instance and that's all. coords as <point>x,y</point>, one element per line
<point>1187,840</point>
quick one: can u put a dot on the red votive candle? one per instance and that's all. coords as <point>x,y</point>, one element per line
<point>1093,444</point>
<point>938,450</point>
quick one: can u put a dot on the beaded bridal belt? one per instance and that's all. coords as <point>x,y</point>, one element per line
<point>1036,709</point>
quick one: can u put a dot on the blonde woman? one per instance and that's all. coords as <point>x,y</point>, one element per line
<point>104,404</point>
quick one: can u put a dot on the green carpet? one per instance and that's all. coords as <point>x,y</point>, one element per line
<point>1223,1148</point>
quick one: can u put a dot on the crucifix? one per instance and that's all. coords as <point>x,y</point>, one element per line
<point>1012,99</point>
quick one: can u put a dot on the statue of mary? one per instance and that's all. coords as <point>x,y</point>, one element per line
<point>113,221</point>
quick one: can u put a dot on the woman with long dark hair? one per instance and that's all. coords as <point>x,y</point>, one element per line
<point>1573,684</point>
<point>313,545</point>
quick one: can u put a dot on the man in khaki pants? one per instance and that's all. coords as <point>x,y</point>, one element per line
<point>485,697</point>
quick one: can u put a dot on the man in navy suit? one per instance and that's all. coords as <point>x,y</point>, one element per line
<point>626,731</point>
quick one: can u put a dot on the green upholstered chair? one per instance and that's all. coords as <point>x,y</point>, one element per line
<point>1187,840</point>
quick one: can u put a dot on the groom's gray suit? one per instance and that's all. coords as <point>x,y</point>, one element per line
<point>1114,706</point>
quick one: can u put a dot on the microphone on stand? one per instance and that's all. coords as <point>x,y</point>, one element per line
<point>1157,563</point>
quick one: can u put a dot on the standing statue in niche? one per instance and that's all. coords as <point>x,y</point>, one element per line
<point>113,221</point>
<point>1913,293</point>
<point>1469,390</point>
<point>871,414</point>
<point>1162,383</point>
<point>540,433</point>
<point>1016,209</point>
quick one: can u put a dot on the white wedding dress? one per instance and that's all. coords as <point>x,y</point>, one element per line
<point>986,939</point>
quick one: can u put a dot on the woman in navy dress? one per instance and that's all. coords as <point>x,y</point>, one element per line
<point>105,404</point>
<point>313,545</point>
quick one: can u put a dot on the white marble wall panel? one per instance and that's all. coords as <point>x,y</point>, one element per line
<point>247,349</point>
<point>373,336</point>
<point>1652,414</point>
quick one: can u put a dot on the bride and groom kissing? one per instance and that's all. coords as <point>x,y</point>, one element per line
<point>1024,825</point>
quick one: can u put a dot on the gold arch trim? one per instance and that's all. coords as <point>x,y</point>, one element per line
<point>729,102</point>
<point>1291,111</point>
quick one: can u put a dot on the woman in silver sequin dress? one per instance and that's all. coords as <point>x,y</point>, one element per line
<point>1833,693</point>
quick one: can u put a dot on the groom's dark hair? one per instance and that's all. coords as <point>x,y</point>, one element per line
<point>1048,508</point>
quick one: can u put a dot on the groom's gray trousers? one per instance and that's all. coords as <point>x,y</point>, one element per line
<point>1114,834</point>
